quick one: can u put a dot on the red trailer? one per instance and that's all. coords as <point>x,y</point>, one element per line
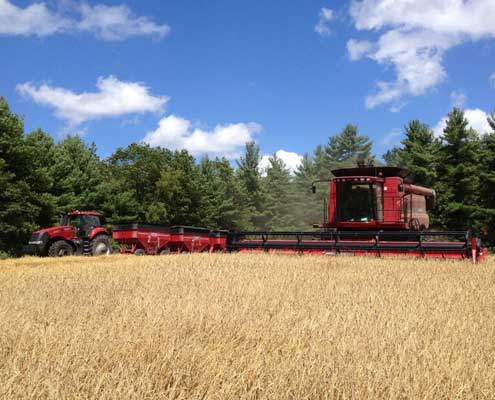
<point>141,239</point>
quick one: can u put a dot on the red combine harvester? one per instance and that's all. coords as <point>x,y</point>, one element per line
<point>80,232</point>
<point>371,211</point>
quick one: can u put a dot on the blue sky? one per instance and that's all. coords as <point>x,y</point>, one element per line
<point>208,75</point>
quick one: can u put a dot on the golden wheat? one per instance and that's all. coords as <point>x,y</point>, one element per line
<point>246,326</point>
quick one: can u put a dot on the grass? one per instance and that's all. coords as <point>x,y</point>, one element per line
<point>246,326</point>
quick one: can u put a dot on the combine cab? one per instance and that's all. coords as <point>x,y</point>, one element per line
<point>377,198</point>
<point>80,232</point>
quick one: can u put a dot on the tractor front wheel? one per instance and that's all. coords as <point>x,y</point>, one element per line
<point>60,248</point>
<point>101,246</point>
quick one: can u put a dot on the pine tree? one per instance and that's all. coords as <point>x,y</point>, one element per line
<point>308,205</point>
<point>322,165</point>
<point>248,173</point>
<point>180,192</point>
<point>491,121</point>
<point>348,146</point>
<point>225,200</point>
<point>279,205</point>
<point>393,157</point>
<point>41,148</point>
<point>486,212</point>
<point>418,153</point>
<point>457,184</point>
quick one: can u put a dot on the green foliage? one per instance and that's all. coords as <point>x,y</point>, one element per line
<point>24,201</point>
<point>180,190</point>
<point>458,172</point>
<point>348,146</point>
<point>418,153</point>
<point>491,121</point>
<point>248,173</point>
<point>77,175</point>
<point>309,206</point>
<point>486,210</point>
<point>226,200</point>
<point>279,197</point>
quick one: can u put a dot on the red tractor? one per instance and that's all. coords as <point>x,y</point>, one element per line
<point>80,232</point>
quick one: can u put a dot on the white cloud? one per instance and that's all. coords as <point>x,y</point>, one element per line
<point>224,140</point>
<point>477,120</point>
<point>492,80</point>
<point>471,17</point>
<point>117,22</point>
<point>113,98</point>
<point>291,160</point>
<point>414,37</point>
<point>358,48</point>
<point>324,17</point>
<point>35,19</point>
<point>391,137</point>
<point>105,22</point>
<point>458,99</point>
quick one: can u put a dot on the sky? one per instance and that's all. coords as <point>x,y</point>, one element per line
<point>209,75</point>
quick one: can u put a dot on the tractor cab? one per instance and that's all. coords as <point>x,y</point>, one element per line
<point>83,222</point>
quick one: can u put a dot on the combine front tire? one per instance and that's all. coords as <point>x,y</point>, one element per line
<point>101,245</point>
<point>60,248</point>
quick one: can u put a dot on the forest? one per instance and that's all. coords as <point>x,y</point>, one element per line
<point>41,178</point>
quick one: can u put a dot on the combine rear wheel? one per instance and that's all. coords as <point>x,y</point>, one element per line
<point>139,252</point>
<point>60,248</point>
<point>100,246</point>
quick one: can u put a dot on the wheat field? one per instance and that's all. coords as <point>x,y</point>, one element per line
<point>246,326</point>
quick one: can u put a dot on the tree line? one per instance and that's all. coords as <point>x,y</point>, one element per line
<point>41,178</point>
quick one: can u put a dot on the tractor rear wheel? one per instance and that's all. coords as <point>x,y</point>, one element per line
<point>101,245</point>
<point>60,248</point>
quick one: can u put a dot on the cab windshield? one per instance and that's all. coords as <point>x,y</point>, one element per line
<point>83,221</point>
<point>355,202</point>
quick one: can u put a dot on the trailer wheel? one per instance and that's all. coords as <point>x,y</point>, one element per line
<point>164,252</point>
<point>60,248</point>
<point>139,252</point>
<point>100,246</point>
